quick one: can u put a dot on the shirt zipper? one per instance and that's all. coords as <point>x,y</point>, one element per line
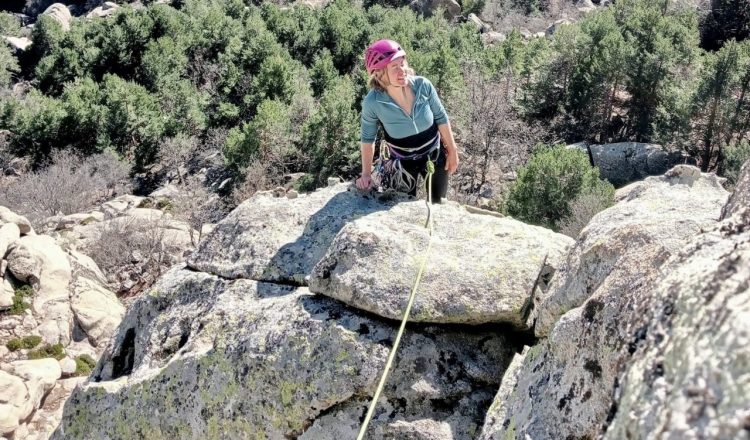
<point>413,106</point>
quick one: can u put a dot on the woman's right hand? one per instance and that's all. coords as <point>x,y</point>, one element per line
<point>364,182</point>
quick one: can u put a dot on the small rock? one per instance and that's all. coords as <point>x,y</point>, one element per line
<point>6,294</point>
<point>492,37</point>
<point>18,43</point>
<point>67,366</point>
<point>8,216</point>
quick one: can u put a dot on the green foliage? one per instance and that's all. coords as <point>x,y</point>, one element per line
<point>549,182</point>
<point>728,19</point>
<point>55,351</point>
<point>31,341</point>
<point>661,44</point>
<point>69,58</point>
<point>296,28</point>
<point>597,75</point>
<point>736,156</point>
<point>84,365</point>
<point>276,79</point>
<point>472,6</point>
<point>45,36</point>
<point>442,67</point>
<point>9,65</point>
<point>34,123</point>
<point>132,120</point>
<point>331,134</point>
<point>720,105</point>
<point>345,32</point>
<point>164,61</point>
<point>183,107</point>
<point>265,138</point>
<point>122,42</point>
<point>9,25</point>
<point>14,344</point>
<point>322,73</point>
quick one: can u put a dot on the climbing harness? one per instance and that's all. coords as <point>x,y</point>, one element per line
<point>407,311</point>
<point>389,171</point>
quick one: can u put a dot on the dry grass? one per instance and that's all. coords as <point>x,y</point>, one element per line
<point>67,186</point>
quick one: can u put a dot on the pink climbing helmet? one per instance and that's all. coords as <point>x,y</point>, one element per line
<point>380,53</point>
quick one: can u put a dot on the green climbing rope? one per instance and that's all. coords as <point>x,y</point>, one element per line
<point>407,311</point>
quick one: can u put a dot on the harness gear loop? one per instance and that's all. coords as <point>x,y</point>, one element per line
<point>407,311</point>
<point>390,172</point>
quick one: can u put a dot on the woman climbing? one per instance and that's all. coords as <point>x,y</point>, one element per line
<point>415,124</point>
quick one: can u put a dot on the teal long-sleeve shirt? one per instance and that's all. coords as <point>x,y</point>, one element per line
<point>378,106</point>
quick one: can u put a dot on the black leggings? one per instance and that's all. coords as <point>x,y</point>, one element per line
<point>439,178</point>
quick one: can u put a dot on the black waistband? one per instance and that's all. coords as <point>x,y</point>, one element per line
<point>414,140</point>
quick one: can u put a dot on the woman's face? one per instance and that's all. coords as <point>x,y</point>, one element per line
<point>396,72</point>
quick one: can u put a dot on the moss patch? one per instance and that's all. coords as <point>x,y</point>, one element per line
<point>84,365</point>
<point>31,341</point>
<point>55,351</point>
<point>19,302</point>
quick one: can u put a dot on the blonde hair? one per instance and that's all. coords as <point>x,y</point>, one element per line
<point>379,80</point>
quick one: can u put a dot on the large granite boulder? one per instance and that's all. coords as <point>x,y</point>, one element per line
<point>276,239</point>
<point>23,385</point>
<point>626,243</point>
<point>8,216</point>
<point>64,301</point>
<point>568,384</point>
<point>625,162</point>
<point>40,262</point>
<point>690,378</point>
<point>479,269</point>
<point>60,13</point>
<point>740,198</point>
<point>201,356</point>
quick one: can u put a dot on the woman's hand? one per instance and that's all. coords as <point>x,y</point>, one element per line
<point>364,182</point>
<point>451,161</point>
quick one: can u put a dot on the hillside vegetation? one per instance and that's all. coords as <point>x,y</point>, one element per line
<point>277,89</point>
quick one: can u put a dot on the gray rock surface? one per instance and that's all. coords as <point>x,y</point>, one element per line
<point>24,384</point>
<point>625,162</point>
<point>106,9</point>
<point>740,198</point>
<point>568,383</point>
<point>8,216</point>
<point>200,355</point>
<point>451,8</point>
<point>497,413</point>
<point>19,44</point>
<point>9,233</point>
<point>39,261</point>
<point>276,239</point>
<point>60,13</point>
<point>480,268</point>
<point>620,246</point>
<point>97,309</point>
<point>691,377</point>
<point>69,305</point>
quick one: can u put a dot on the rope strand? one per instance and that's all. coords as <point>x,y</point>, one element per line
<point>407,311</point>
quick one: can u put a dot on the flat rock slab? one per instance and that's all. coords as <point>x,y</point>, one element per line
<point>203,357</point>
<point>480,268</point>
<point>277,239</point>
